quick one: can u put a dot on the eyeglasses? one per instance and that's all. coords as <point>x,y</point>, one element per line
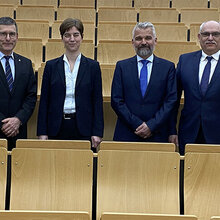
<point>207,34</point>
<point>5,34</point>
<point>69,35</point>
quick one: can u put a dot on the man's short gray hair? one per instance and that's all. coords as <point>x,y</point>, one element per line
<point>144,25</point>
<point>202,25</point>
<point>8,21</point>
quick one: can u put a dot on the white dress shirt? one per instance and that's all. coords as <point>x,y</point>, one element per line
<point>149,66</point>
<point>203,62</point>
<point>70,76</point>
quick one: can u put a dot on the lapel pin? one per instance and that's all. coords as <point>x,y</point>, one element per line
<point>19,60</point>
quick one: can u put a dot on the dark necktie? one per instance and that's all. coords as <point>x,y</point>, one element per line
<point>8,72</point>
<point>205,76</point>
<point>144,77</point>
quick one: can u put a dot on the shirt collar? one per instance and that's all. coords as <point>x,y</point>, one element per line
<point>215,55</point>
<point>2,55</point>
<point>77,59</point>
<point>150,58</point>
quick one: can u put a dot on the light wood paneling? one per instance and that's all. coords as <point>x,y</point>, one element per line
<point>3,176</point>
<point>138,182</point>
<point>52,180</point>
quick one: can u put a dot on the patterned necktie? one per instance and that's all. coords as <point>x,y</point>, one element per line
<point>8,72</point>
<point>205,76</point>
<point>144,77</point>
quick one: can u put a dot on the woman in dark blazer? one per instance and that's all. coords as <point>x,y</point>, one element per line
<point>71,105</point>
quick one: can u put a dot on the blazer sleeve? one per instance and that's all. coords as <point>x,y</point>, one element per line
<point>118,102</point>
<point>98,121</point>
<point>163,115</point>
<point>30,99</point>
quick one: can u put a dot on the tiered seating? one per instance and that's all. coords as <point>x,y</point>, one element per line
<point>214,4</point>
<point>172,50</point>
<point>201,185</point>
<point>138,182</point>
<point>190,15</point>
<point>151,4</point>
<point>3,143</point>
<point>31,48</point>
<point>115,31</point>
<point>10,2</point>
<point>89,30</point>
<point>84,14</point>
<point>81,3</point>
<point>7,10</point>
<point>120,216</point>
<point>171,32</point>
<point>158,15</point>
<point>40,2</point>
<point>190,4</point>
<point>107,76</point>
<point>33,29</point>
<point>114,3</point>
<point>36,13</point>
<point>55,48</point>
<point>3,176</point>
<point>194,30</point>
<point>137,146</point>
<point>53,144</point>
<point>28,215</point>
<point>109,52</point>
<point>51,180</point>
<point>202,148</point>
<point>117,15</point>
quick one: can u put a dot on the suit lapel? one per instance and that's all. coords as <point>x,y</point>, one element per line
<point>3,78</point>
<point>216,75</point>
<point>17,62</point>
<point>195,73</point>
<point>60,70</point>
<point>133,69</point>
<point>154,75</point>
<point>82,70</point>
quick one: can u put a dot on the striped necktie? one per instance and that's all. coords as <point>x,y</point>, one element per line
<point>8,72</point>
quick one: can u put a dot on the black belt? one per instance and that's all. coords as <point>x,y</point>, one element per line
<point>69,115</point>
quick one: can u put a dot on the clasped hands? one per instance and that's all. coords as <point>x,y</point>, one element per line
<point>143,131</point>
<point>10,126</point>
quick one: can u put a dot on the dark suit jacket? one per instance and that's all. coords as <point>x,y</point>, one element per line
<point>88,97</point>
<point>21,101</point>
<point>198,110</point>
<point>154,108</point>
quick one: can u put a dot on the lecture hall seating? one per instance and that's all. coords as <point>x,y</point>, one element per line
<point>138,182</point>
<point>120,216</point>
<point>43,215</point>
<point>53,144</point>
<point>40,2</point>
<point>151,4</point>
<point>202,148</point>
<point>81,3</point>
<point>3,176</point>
<point>201,185</point>
<point>137,146</point>
<point>190,4</point>
<point>51,179</point>
<point>114,3</point>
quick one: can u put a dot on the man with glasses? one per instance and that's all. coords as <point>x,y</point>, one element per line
<point>17,86</point>
<point>198,75</point>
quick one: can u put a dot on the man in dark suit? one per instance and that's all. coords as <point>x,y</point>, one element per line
<point>17,86</point>
<point>143,91</point>
<point>198,75</point>
<point>71,95</point>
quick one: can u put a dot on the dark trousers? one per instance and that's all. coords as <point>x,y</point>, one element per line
<point>200,139</point>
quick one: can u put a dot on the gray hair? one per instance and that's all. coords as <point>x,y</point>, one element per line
<point>144,25</point>
<point>8,21</point>
<point>202,25</point>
